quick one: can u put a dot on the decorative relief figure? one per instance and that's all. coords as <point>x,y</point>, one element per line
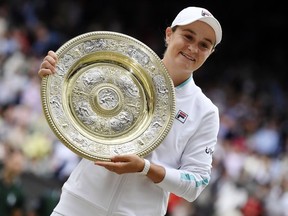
<point>108,98</point>
<point>121,122</point>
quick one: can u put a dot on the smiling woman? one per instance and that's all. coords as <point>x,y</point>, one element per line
<point>194,39</point>
<point>181,164</point>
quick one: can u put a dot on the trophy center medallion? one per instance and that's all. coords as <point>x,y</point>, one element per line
<point>106,99</point>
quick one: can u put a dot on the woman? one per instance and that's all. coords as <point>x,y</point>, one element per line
<point>129,185</point>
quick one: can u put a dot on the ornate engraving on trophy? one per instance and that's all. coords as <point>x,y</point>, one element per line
<point>110,95</point>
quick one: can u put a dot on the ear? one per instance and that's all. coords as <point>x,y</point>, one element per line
<point>168,33</point>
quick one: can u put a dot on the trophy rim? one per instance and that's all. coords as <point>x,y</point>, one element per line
<point>108,59</point>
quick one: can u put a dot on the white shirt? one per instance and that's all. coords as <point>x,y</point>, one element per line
<point>186,154</point>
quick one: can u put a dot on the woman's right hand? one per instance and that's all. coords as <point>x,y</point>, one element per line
<point>48,64</point>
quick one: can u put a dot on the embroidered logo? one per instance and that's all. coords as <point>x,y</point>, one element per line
<point>181,116</point>
<point>209,151</point>
<point>205,13</point>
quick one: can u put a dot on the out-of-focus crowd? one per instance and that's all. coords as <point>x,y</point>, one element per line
<point>250,168</point>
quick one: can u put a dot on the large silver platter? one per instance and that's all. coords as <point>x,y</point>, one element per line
<point>110,95</point>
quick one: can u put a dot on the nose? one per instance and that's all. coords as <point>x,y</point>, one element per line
<point>192,47</point>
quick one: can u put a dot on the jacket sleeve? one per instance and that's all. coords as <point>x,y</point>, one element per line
<point>194,172</point>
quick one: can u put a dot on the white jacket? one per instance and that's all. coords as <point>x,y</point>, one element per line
<point>186,154</point>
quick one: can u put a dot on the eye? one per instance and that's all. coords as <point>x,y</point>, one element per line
<point>205,46</point>
<point>189,37</point>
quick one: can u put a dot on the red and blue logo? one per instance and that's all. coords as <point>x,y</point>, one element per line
<point>181,116</point>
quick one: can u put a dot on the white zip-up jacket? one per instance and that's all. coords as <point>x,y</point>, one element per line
<point>186,154</point>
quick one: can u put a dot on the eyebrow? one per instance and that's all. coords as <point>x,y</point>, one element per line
<point>194,33</point>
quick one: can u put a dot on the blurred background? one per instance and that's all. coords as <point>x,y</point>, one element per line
<point>246,78</point>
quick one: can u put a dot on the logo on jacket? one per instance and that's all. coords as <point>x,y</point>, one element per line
<point>209,151</point>
<point>181,116</point>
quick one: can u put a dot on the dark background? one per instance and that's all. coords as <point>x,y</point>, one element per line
<point>254,32</point>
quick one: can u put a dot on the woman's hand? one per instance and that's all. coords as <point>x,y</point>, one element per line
<point>48,64</point>
<point>121,164</point>
<point>132,163</point>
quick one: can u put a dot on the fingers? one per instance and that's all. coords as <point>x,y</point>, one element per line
<point>122,158</point>
<point>48,65</point>
<point>44,72</point>
<point>51,60</point>
<point>111,166</point>
<point>53,55</point>
<point>123,164</point>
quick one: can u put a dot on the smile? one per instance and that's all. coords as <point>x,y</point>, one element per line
<point>187,56</point>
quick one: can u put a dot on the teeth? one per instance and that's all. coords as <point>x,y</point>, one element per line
<point>187,56</point>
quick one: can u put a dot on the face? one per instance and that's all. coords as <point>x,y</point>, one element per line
<point>15,163</point>
<point>188,47</point>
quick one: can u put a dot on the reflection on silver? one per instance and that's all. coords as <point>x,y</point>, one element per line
<point>110,95</point>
